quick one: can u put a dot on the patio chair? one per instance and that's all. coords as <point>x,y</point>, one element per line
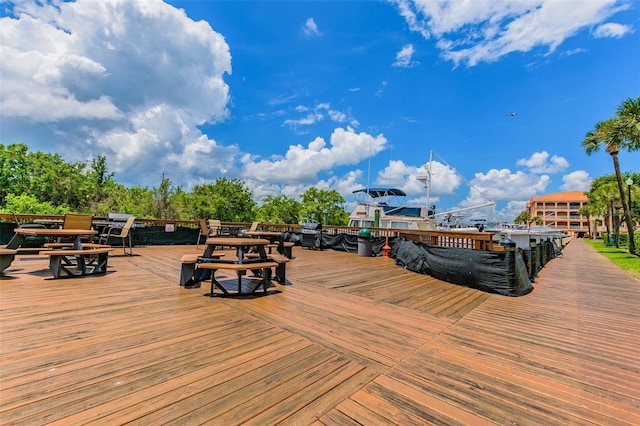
<point>124,233</point>
<point>204,230</point>
<point>14,218</point>
<point>253,227</point>
<point>215,226</point>
<point>77,221</point>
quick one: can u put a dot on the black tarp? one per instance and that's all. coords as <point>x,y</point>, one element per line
<point>503,272</point>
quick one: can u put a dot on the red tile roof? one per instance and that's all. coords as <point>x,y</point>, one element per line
<point>561,196</point>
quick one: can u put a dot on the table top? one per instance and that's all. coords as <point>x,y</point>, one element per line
<point>263,233</point>
<point>236,242</point>
<point>55,232</point>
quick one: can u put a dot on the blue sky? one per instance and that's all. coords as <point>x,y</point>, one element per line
<point>334,94</point>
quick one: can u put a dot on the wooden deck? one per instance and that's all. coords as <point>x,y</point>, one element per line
<point>351,340</point>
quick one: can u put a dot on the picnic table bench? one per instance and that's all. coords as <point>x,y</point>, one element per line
<point>240,269</point>
<point>87,261</point>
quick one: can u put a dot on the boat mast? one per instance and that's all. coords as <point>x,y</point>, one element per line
<point>428,180</point>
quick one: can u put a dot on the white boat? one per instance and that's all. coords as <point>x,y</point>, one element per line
<point>522,235</point>
<point>383,207</point>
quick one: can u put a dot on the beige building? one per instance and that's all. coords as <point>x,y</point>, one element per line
<point>560,211</point>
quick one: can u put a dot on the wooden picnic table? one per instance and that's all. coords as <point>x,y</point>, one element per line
<point>76,234</point>
<point>272,236</point>
<point>208,264</point>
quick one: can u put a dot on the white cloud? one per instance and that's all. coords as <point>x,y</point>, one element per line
<point>503,184</point>
<point>471,32</point>
<point>539,162</point>
<point>576,181</point>
<point>404,57</point>
<point>316,114</point>
<point>612,30</point>
<point>131,80</point>
<point>310,27</point>
<point>302,164</point>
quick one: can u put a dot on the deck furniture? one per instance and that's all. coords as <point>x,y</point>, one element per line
<point>123,233</point>
<point>6,257</point>
<point>260,265</point>
<point>68,233</point>
<point>188,267</point>
<point>281,269</point>
<point>240,269</point>
<point>87,261</point>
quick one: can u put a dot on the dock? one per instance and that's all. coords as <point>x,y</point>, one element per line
<point>348,340</point>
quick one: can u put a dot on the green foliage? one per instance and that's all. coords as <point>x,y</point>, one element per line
<point>526,218</point>
<point>225,200</point>
<point>14,171</point>
<point>279,209</point>
<point>30,205</point>
<point>323,206</point>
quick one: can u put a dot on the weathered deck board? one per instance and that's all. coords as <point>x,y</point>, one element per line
<point>351,340</point>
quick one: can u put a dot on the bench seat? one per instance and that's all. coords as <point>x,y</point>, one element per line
<point>281,269</point>
<point>189,264</point>
<point>89,261</point>
<point>240,269</point>
<point>285,248</point>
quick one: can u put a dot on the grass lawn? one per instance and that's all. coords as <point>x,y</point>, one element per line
<point>619,256</point>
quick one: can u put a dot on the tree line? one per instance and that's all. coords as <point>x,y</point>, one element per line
<point>43,183</point>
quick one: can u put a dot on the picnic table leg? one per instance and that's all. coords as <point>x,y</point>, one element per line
<point>54,265</point>
<point>16,241</point>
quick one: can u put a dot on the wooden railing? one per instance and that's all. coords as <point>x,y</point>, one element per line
<point>470,240</point>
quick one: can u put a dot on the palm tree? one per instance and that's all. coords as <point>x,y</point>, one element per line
<point>620,132</point>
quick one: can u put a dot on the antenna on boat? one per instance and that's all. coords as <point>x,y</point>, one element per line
<point>427,179</point>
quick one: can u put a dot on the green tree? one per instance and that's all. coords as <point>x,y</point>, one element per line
<point>620,132</point>
<point>228,200</point>
<point>14,171</point>
<point>321,204</point>
<point>29,204</point>
<point>526,218</point>
<point>279,209</point>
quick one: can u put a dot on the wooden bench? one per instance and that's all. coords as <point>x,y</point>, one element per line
<point>189,264</point>
<point>281,269</point>
<point>240,269</point>
<point>70,245</point>
<point>285,248</point>
<point>6,257</point>
<point>89,261</point>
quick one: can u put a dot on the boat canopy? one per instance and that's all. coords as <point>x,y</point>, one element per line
<point>382,192</point>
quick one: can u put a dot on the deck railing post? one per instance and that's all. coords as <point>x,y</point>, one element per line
<point>533,261</point>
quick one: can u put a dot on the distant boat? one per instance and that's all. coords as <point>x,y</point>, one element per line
<point>385,207</point>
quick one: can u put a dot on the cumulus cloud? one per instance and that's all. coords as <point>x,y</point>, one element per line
<point>302,164</point>
<point>612,30</point>
<point>471,32</point>
<point>413,179</point>
<point>539,162</point>
<point>131,80</point>
<point>503,184</point>
<point>310,28</point>
<point>404,57</point>
<point>576,181</point>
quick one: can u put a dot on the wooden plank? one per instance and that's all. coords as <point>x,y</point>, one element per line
<point>350,340</point>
